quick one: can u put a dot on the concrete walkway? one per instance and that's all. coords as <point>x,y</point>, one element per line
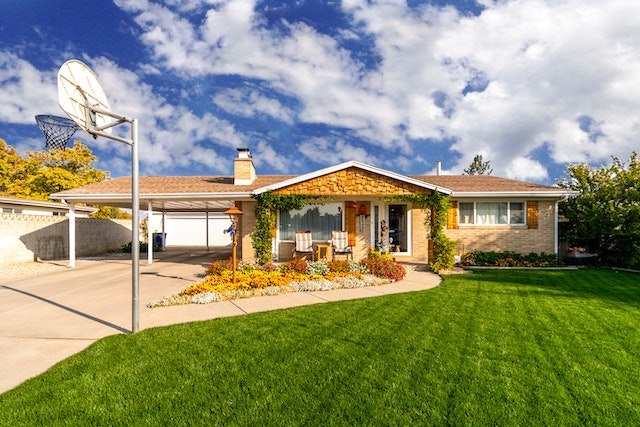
<point>49,317</point>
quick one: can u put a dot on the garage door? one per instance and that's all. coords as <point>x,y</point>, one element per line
<point>190,229</point>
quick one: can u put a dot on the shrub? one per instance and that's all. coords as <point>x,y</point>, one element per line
<point>443,253</point>
<point>317,268</point>
<point>216,268</point>
<point>381,266</point>
<point>269,266</point>
<point>510,259</point>
<point>340,266</point>
<point>294,265</point>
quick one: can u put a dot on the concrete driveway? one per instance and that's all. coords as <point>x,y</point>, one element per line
<point>49,317</point>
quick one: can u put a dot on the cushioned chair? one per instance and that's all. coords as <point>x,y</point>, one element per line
<point>340,244</point>
<point>304,244</point>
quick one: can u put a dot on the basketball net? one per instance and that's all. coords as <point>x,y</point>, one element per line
<point>57,130</point>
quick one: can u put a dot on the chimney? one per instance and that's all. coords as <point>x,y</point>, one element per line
<point>438,167</point>
<point>244,172</point>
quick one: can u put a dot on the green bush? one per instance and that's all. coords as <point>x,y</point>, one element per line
<point>143,247</point>
<point>510,259</point>
<point>443,253</point>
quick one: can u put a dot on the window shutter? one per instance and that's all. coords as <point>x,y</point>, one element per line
<point>532,214</point>
<point>350,223</point>
<point>452,219</point>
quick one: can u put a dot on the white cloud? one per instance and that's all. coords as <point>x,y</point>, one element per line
<point>251,103</point>
<point>25,90</point>
<point>506,83</point>
<point>526,168</point>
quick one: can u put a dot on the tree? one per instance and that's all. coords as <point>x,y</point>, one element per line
<point>41,173</point>
<point>605,215</point>
<point>478,167</point>
<point>111,212</point>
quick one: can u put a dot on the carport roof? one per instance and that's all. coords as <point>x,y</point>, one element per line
<point>169,193</point>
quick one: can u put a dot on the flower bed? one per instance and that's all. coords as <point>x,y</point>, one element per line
<point>510,259</point>
<point>293,276</point>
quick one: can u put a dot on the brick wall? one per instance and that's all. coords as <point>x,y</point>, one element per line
<point>509,238</point>
<point>247,227</point>
<point>26,238</point>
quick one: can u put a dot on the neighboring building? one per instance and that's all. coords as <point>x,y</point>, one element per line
<point>487,212</point>
<point>39,207</point>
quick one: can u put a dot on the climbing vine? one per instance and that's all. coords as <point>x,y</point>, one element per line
<point>267,205</point>
<point>437,205</point>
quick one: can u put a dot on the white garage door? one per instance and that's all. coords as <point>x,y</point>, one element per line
<point>190,229</point>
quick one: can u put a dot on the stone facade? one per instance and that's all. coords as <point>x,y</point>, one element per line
<point>26,238</point>
<point>353,182</point>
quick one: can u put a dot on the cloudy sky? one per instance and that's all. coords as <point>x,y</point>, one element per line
<point>531,85</point>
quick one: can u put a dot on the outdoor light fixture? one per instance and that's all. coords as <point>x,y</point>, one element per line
<point>234,215</point>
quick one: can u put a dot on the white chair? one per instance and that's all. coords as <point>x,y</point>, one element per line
<point>340,244</point>
<point>304,244</point>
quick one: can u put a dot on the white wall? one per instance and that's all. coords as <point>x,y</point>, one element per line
<point>189,229</point>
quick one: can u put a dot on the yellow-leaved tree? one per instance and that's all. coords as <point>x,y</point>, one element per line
<point>40,173</point>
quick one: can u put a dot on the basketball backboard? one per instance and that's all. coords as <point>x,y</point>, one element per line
<point>81,96</point>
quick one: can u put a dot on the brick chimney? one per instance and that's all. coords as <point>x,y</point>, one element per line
<point>244,172</point>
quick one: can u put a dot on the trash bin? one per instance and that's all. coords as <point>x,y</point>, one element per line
<point>159,239</point>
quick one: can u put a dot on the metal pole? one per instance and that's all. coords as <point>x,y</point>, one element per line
<point>72,235</point>
<point>233,255</point>
<point>135,238</point>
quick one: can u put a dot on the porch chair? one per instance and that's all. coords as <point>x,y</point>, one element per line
<point>340,244</point>
<point>304,244</point>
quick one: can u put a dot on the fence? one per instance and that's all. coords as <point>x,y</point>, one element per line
<point>27,238</point>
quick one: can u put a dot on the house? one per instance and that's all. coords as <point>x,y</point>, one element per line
<point>16,205</point>
<point>485,212</point>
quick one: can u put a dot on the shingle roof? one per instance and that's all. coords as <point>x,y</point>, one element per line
<point>485,184</point>
<point>173,185</point>
<point>217,192</point>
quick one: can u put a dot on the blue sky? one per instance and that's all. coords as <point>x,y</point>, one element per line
<point>531,85</point>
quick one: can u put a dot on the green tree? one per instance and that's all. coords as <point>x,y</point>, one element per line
<point>605,215</point>
<point>479,167</point>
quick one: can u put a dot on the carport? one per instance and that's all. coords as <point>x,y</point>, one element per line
<point>157,194</point>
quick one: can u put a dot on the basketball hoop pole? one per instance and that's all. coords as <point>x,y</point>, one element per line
<point>135,203</point>
<point>135,206</point>
<point>81,96</point>
<point>135,211</point>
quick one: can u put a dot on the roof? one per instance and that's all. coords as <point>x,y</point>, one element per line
<point>53,206</point>
<point>217,193</point>
<point>346,165</point>
<point>492,186</point>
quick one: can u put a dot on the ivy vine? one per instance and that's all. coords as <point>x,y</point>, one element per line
<point>437,205</point>
<point>268,204</point>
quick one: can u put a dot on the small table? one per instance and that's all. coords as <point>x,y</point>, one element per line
<point>323,247</point>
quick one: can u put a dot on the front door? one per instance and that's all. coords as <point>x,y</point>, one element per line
<point>397,215</point>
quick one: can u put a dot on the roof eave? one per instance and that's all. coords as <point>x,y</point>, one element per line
<point>345,165</point>
<point>494,194</point>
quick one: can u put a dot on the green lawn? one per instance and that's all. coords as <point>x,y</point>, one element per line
<point>508,347</point>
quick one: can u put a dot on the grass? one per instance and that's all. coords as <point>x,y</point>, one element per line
<point>493,348</point>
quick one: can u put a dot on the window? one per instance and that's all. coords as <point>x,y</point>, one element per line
<point>321,219</point>
<point>466,213</point>
<point>491,213</point>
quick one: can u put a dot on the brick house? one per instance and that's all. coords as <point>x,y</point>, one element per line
<point>486,212</point>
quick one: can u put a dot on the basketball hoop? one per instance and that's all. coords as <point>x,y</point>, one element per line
<point>57,130</point>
